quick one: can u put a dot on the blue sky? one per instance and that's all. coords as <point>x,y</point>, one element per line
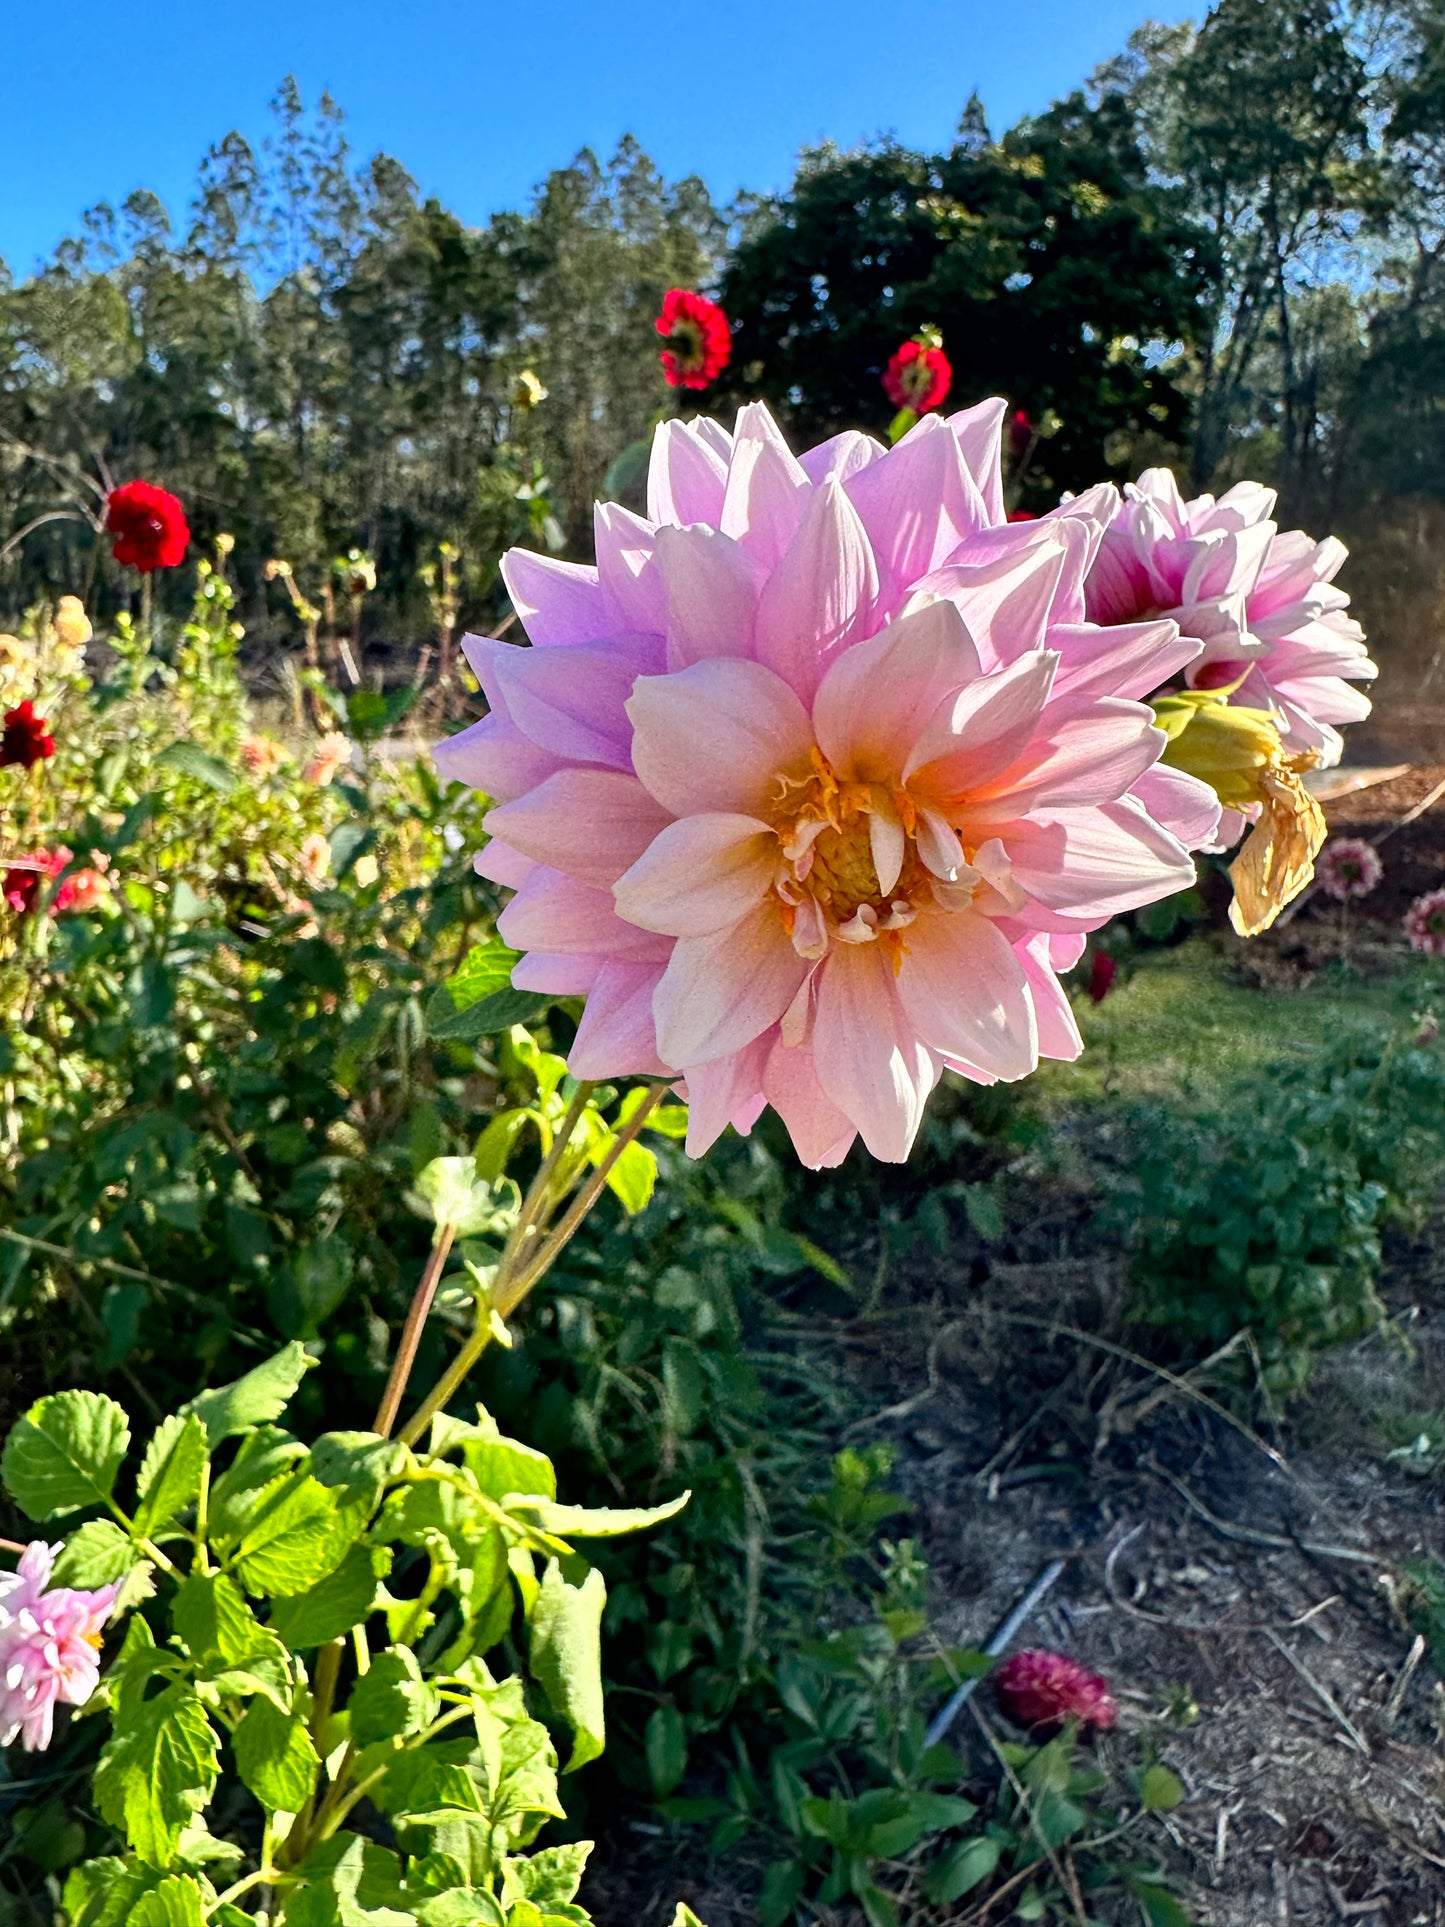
<point>479,100</point>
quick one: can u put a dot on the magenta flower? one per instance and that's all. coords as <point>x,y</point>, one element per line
<point>818,779</point>
<point>1262,603</point>
<point>1348,867</point>
<point>1041,1690</point>
<point>49,1647</point>
<point>1425,924</point>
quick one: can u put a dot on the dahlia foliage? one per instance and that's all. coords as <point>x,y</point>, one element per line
<point>819,778</point>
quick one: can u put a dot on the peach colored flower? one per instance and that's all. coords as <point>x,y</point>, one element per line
<point>315,856</point>
<point>331,754</point>
<point>259,755</point>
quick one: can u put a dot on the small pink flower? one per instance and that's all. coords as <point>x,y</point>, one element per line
<point>259,755</point>
<point>49,1647</point>
<point>82,890</point>
<point>315,856</point>
<point>1348,867</point>
<point>1425,924</point>
<point>329,755</point>
<point>1041,1690</point>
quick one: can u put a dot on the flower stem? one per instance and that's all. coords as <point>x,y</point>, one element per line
<point>411,1332</point>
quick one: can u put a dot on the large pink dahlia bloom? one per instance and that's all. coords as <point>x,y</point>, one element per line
<point>819,777</point>
<point>1263,604</point>
<point>49,1647</point>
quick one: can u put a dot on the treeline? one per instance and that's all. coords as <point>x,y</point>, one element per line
<point>1224,251</point>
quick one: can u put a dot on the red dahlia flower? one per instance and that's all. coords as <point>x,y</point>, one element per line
<point>149,526</point>
<point>918,377</point>
<point>26,739</point>
<point>1043,1690</point>
<point>1021,432</point>
<point>21,884</point>
<point>699,340</point>
<point>1102,972</point>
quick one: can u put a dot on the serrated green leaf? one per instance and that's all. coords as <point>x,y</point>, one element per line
<point>65,1453</point>
<point>486,1018</point>
<point>96,1554</point>
<point>503,1466</point>
<point>333,1605</point>
<point>549,1878</point>
<point>170,1475</point>
<point>295,1537</point>
<point>258,1398</point>
<point>600,1522</point>
<point>391,1698</point>
<point>176,1902</point>
<point>275,1757</point>
<point>567,1656</point>
<point>486,967</point>
<point>191,760</point>
<point>157,1769</point>
<point>210,1614</point>
<point>1160,1907</point>
<point>104,1893</point>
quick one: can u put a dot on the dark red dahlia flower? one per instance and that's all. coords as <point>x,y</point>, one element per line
<point>699,340</point>
<point>1101,976</point>
<point>1042,1690</point>
<point>918,377</point>
<point>149,526</point>
<point>1022,515</point>
<point>1021,432</point>
<point>26,739</point>
<point>21,884</point>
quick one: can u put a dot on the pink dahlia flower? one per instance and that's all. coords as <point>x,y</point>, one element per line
<point>1262,603</point>
<point>1041,1690</point>
<point>1348,867</point>
<point>1425,924</point>
<point>815,782</point>
<point>49,1647</point>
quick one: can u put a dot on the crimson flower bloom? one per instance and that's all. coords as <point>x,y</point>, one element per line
<point>1042,1690</point>
<point>1101,976</point>
<point>1020,432</point>
<point>1022,515</point>
<point>149,526</point>
<point>918,377</point>
<point>699,340</point>
<point>26,740</point>
<point>21,884</point>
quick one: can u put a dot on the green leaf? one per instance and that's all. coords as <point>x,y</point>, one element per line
<point>665,1741</point>
<point>453,1194</point>
<point>1160,1790</point>
<point>487,967</point>
<point>170,1475</point>
<point>190,760</point>
<point>601,1522</point>
<point>65,1453</point>
<point>485,1018</point>
<point>391,1698</point>
<point>504,1466</point>
<point>984,1212</point>
<point>783,1885</point>
<point>333,1605</point>
<point>632,1178</point>
<point>176,1902</point>
<point>685,1917</point>
<point>104,1893</point>
<point>295,1537</point>
<point>549,1878</point>
<point>96,1554</point>
<point>961,1869</point>
<point>275,1757</point>
<point>256,1399</point>
<point>157,1769</point>
<point>567,1656</point>
<point>1160,1907</point>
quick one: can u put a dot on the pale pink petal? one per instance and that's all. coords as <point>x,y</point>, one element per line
<point>589,823</point>
<point>499,863</point>
<point>703,873</point>
<point>766,488</point>
<point>631,585</point>
<point>1089,865</point>
<point>556,976</point>
<point>720,992</point>
<point>711,586</point>
<point>877,697</point>
<point>1131,659</point>
<point>1058,1029</point>
<point>821,1135</point>
<point>983,729</point>
<point>493,756</point>
<point>572,700</point>
<point>556,913</point>
<point>979,431</point>
<point>840,457</point>
<point>687,476</point>
<point>1007,598</point>
<point>717,736</point>
<point>868,1056</point>
<point>729,1090</point>
<point>1086,751</point>
<point>556,601</point>
<point>820,596</point>
<point>1185,807</point>
<point>616,1037</point>
<point>965,993</point>
<point>917,504</point>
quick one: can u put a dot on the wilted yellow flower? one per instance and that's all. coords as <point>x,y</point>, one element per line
<point>527,391</point>
<point>72,624</point>
<point>1237,750</point>
<point>326,759</point>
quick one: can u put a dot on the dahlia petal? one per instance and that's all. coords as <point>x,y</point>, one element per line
<point>840,457</point>
<point>1183,805</point>
<point>717,736</point>
<point>822,1136</point>
<point>711,585</point>
<point>556,602</point>
<point>917,504</point>
<point>591,824</point>
<point>556,913</point>
<point>720,992</point>
<point>686,477</point>
<point>493,756</point>
<point>571,699</point>
<point>822,593</point>
<point>979,432</point>
<point>1226,563</point>
<point>616,1037</point>
<point>867,1055</point>
<point>888,846</point>
<point>726,1091</point>
<point>701,874</point>
<point>1084,753</point>
<point>876,698</point>
<point>1095,863</point>
<point>1130,659</point>
<point>1005,585</point>
<point>1058,1028</point>
<point>766,488</point>
<point>983,729</point>
<point>499,863</point>
<point>556,976</point>
<point>631,584</point>
<point>966,994</point>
